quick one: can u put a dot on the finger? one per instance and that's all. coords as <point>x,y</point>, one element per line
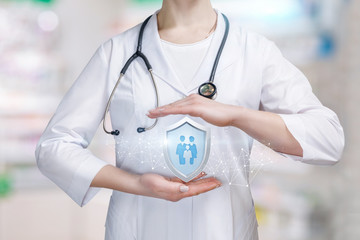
<point>175,191</point>
<point>173,186</point>
<point>176,179</point>
<point>204,180</point>
<point>197,189</point>
<point>166,110</point>
<point>202,174</point>
<point>184,101</point>
<point>190,109</point>
<point>178,107</point>
<point>195,181</point>
<point>181,102</point>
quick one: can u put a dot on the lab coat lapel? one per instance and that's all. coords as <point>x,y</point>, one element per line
<point>230,54</point>
<point>153,50</point>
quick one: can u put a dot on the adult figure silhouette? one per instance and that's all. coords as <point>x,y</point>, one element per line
<point>181,147</point>
<point>193,149</point>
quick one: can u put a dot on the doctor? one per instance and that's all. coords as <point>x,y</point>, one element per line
<point>260,95</point>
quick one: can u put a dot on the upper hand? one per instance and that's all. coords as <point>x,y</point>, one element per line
<point>213,112</point>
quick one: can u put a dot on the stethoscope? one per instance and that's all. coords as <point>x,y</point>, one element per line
<point>207,89</point>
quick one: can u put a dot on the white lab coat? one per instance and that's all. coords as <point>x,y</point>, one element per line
<point>251,73</point>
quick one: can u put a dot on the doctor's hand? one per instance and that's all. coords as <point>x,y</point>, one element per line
<point>152,185</point>
<point>266,127</point>
<point>215,113</point>
<point>174,189</point>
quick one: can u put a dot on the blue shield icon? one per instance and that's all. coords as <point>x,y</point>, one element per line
<point>186,148</point>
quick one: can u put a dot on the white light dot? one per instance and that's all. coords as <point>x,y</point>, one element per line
<point>48,21</point>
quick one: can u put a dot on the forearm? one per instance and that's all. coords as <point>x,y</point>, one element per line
<point>117,179</point>
<point>267,128</point>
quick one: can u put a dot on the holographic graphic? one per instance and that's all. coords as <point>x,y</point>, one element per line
<point>238,167</point>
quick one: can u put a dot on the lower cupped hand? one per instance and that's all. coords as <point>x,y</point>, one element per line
<point>174,189</point>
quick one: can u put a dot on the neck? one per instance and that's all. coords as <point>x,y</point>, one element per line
<point>186,13</point>
<point>191,17</point>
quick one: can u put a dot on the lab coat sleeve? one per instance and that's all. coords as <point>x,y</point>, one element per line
<point>287,92</point>
<point>61,151</point>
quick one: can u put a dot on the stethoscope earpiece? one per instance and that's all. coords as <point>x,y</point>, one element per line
<point>115,132</point>
<point>140,129</point>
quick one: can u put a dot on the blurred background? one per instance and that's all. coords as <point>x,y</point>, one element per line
<point>44,45</point>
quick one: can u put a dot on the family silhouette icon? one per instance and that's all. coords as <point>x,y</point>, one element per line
<point>187,152</point>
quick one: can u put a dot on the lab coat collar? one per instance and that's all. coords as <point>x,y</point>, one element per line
<point>162,69</point>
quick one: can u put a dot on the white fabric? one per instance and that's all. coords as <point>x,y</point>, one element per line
<point>251,73</point>
<point>184,64</point>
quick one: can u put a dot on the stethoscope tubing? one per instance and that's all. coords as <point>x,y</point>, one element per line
<point>216,62</point>
<point>139,129</point>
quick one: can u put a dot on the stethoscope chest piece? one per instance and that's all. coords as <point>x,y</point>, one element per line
<point>207,90</point>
